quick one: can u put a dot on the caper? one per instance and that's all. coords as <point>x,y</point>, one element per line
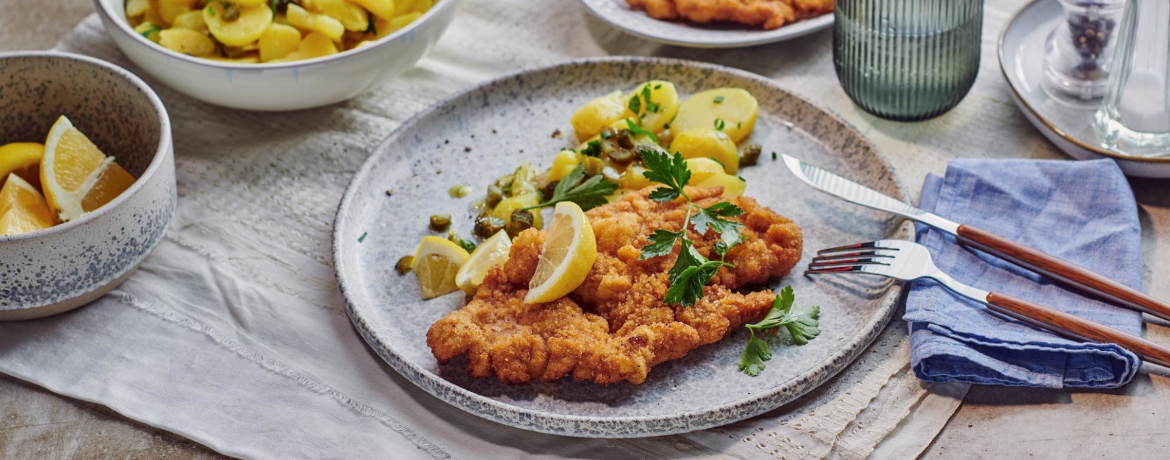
<point>486,225</point>
<point>439,222</point>
<point>520,221</point>
<point>621,156</point>
<point>459,191</point>
<point>751,155</point>
<point>623,139</point>
<point>403,265</point>
<point>231,12</point>
<point>549,189</point>
<point>593,166</point>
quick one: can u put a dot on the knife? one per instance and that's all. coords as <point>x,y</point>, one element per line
<point>1053,267</point>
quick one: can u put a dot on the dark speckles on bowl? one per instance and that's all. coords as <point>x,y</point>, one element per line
<point>64,267</point>
<point>513,115</point>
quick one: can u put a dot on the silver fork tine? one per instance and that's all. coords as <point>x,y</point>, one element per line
<point>855,255</point>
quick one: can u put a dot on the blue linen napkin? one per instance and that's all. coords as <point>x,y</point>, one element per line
<point>1081,211</point>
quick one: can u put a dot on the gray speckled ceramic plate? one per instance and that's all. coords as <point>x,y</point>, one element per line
<point>681,33</point>
<point>509,120</point>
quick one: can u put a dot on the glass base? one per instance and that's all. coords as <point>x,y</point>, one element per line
<point>1118,138</point>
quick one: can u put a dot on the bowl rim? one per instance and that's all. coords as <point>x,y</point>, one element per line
<point>104,7</point>
<point>160,153</point>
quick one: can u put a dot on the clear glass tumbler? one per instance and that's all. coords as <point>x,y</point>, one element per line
<point>907,59</point>
<point>1134,117</point>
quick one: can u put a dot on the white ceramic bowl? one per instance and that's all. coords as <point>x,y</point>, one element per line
<point>64,267</point>
<point>283,86</point>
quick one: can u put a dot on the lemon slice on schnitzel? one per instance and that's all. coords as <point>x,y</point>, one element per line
<point>568,255</point>
<point>436,262</point>
<point>490,253</point>
<point>75,175</point>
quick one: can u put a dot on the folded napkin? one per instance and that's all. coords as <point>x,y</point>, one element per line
<point>1083,212</point>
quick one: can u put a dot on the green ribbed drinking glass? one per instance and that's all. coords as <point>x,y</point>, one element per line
<point>907,59</point>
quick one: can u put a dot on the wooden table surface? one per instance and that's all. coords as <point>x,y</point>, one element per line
<point>993,422</point>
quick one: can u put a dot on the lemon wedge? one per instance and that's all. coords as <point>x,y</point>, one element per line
<point>22,159</point>
<point>22,209</point>
<point>436,262</point>
<point>568,255</point>
<point>490,253</point>
<point>75,175</point>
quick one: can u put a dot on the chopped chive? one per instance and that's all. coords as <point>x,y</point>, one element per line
<point>719,124</point>
<point>363,237</point>
<point>718,99</point>
<point>773,155</point>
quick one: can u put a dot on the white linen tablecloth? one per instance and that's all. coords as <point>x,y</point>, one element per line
<point>233,333</point>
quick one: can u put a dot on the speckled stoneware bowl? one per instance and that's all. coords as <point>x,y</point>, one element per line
<point>284,86</point>
<point>64,267</point>
<point>509,120</point>
<point>682,33</point>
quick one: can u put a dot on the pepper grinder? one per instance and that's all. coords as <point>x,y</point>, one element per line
<point>1080,51</point>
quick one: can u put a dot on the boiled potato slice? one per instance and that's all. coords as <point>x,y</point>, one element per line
<point>386,27</point>
<point>402,7</point>
<point>383,9</point>
<point>421,6</point>
<point>598,114</point>
<point>349,14</point>
<point>151,15</point>
<point>136,7</point>
<point>251,24</point>
<point>190,20</point>
<point>279,41</point>
<point>251,2</point>
<point>504,209</point>
<point>148,30</point>
<point>314,45</point>
<point>703,168</point>
<point>633,179</point>
<point>305,20</point>
<point>736,109</point>
<point>169,9</point>
<point>186,41</point>
<point>664,105</point>
<point>707,143</point>
<point>563,164</point>
<point>733,186</point>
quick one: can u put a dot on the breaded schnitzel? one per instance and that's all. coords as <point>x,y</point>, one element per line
<point>614,327</point>
<point>771,14</point>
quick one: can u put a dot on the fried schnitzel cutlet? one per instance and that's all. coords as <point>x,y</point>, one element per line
<point>615,327</point>
<point>771,14</point>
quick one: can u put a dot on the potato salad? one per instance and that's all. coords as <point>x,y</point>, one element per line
<point>263,31</point>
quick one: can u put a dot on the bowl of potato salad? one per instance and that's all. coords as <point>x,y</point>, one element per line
<point>273,55</point>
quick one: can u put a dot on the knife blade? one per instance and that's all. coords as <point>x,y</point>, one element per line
<point>1053,267</point>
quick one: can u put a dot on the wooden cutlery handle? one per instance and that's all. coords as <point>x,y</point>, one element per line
<point>1063,271</point>
<point>1076,327</point>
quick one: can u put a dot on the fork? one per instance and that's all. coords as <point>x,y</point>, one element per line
<point>909,261</point>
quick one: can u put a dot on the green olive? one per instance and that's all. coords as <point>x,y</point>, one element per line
<point>403,265</point>
<point>440,222</point>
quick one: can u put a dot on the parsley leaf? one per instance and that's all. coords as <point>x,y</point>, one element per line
<point>661,243</point>
<point>751,362</point>
<point>587,193</point>
<point>638,130</point>
<point>687,289</point>
<point>671,171</point>
<point>150,30</point>
<point>688,257</point>
<point>801,322</point>
<point>592,149</point>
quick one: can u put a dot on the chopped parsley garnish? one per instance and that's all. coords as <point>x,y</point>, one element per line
<point>658,86</point>
<point>640,131</point>
<point>592,149</point>
<point>635,104</point>
<point>372,29</point>
<point>691,271</point>
<point>587,193</point>
<point>651,106</point>
<point>150,30</point>
<point>210,11</point>
<point>801,323</point>
<point>719,124</point>
<point>718,99</point>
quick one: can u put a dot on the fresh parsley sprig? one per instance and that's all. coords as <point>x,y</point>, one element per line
<point>801,322</point>
<point>587,193</point>
<point>691,271</point>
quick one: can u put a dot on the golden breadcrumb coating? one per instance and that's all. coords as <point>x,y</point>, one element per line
<point>771,14</point>
<point>614,327</point>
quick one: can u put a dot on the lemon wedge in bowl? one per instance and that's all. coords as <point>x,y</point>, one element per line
<point>75,175</point>
<point>436,262</point>
<point>492,252</point>
<point>22,209</point>
<point>23,159</point>
<point>568,255</point>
